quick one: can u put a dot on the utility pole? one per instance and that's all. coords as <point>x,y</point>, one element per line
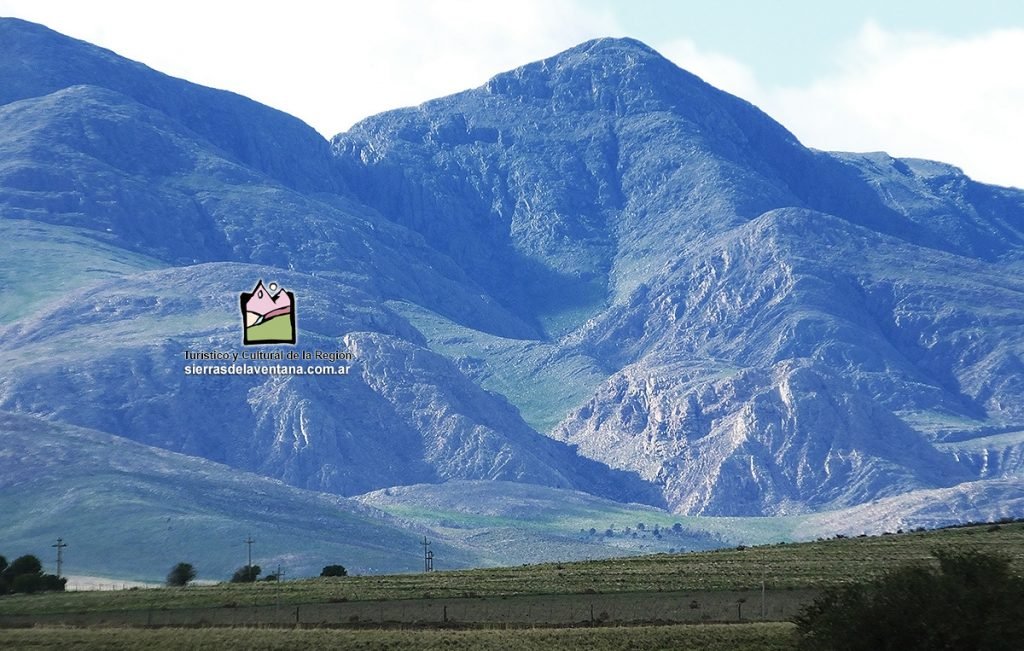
<point>60,555</point>
<point>764,573</point>
<point>280,573</point>
<point>249,541</point>
<point>427,555</point>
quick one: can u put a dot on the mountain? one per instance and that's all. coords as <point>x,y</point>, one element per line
<point>128,173</point>
<point>780,329</point>
<point>41,64</point>
<point>593,281</point>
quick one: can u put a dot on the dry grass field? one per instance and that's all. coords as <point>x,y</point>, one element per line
<point>706,600</point>
<point>735,637</point>
<point>784,567</point>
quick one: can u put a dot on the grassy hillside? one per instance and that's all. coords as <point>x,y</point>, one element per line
<point>132,511</point>
<point>784,567</point>
<point>510,523</point>
<point>42,262</point>
<point>543,381</point>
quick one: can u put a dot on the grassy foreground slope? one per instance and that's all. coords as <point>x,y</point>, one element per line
<point>746,637</point>
<point>788,566</point>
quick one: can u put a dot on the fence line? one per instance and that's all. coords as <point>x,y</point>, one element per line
<point>540,610</point>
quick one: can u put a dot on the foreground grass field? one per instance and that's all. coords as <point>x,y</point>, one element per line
<point>736,637</point>
<point>635,603</point>
<point>783,567</point>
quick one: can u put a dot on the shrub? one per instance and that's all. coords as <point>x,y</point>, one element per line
<point>334,570</point>
<point>180,575</point>
<point>26,583</point>
<point>972,601</point>
<point>246,574</point>
<point>52,582</point>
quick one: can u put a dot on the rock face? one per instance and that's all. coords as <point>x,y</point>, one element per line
<point>595,272</point>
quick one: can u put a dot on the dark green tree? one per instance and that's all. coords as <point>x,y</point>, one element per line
<point>246,574</point>
<point>27,564</point>
<point>181,574</point>
<point>971,601</point>
<point>25,574</point>
<point>334,570</point>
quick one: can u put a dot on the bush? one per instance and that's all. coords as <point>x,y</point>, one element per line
<point>246,574</point>
<point>334,570</point>
<point>180,575</point>
<point>52,582</point>
<point>972,601</point>
<point>26,583</point>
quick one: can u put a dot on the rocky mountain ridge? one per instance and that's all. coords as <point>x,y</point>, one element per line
<point>595,272</point>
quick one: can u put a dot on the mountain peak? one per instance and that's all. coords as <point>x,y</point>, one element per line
<point>623,66</point>
<point>39,61</point>
<point>612,46</point>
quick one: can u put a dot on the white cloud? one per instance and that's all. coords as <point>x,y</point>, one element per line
<point>329,63</point>
<point>958,101</point>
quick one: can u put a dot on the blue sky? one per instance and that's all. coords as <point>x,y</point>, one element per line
<point>933,79</point>
<point>796,41</point>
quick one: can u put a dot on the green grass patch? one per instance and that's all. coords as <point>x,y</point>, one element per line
<point>538,377</point>
<point>40,263</point>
